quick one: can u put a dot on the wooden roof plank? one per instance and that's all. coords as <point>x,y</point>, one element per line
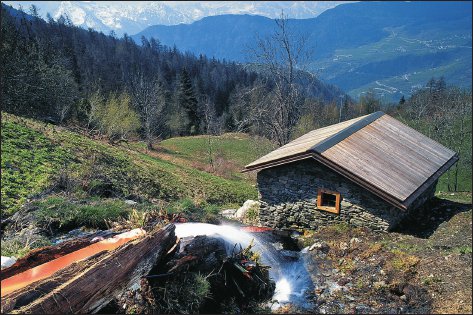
<point>346,132</point>
<point>305,142</point>
<point>399,151</point>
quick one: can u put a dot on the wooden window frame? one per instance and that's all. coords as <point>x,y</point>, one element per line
<point>338,199</point>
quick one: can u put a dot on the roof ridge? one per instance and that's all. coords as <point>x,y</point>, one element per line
<point>345,133</point>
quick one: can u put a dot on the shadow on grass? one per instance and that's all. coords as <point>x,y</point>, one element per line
<point>424,221</point>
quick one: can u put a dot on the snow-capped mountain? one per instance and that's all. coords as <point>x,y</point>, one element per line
<point>133,16</point>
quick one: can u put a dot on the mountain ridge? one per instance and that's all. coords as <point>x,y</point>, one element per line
<point>371,41</point>
<point>133,17</point>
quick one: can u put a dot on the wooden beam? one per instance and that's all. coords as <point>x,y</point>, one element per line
<point>345,133</point>
<point>42,255</point>
<point>285,160</point>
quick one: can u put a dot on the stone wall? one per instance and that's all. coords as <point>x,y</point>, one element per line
<point>288,195</point>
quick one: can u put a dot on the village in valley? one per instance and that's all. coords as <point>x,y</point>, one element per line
<point>239,159</point>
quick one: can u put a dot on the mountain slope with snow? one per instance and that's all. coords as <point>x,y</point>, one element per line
<point>134,16</point>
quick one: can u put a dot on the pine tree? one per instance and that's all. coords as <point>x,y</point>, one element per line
<point>402,100</point>
<point>188,101</point>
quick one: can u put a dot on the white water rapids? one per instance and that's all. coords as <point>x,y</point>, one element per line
<point>291,277</point>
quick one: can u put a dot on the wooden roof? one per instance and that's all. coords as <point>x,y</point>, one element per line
<point>375,151</point>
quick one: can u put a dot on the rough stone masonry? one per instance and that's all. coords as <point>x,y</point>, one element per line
<point>288,195</point>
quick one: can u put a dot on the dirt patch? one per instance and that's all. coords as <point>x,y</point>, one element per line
<point>428,270</point>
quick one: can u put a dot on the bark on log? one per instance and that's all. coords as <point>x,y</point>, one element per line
<point>42,255</point>
<point>89,285</point>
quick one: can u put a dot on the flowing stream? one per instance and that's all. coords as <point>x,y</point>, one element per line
<point>291,277</point>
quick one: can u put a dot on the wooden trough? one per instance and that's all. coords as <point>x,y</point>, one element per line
<point>83,280</point>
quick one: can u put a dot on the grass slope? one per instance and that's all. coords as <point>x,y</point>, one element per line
<point>224,155</point>
<point>36,156</point>
<point>29,162</point>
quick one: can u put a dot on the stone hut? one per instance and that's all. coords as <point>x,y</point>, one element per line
<point>368,171</point>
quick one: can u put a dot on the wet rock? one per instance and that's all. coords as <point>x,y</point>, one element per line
<point>228,213</point>
<point>290,254</point>
<point>278,245</point>
<point>234,277</point>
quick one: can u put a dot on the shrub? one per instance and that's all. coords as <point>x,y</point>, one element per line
<point>184,294</point>
<point>252,215</point>
<point>115,117</point>
<point>402,261</point>
<point>59,213</point>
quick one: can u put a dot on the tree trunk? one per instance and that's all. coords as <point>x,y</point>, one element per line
<point>90,284</point>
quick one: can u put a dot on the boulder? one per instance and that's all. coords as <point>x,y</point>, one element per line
<point>249,204</point>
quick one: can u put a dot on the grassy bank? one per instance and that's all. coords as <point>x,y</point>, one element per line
<point>37,157</point>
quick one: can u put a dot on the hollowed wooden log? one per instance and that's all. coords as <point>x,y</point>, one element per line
<point>90,284</point>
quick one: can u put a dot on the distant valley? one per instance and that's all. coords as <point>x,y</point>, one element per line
<point>392,48</point>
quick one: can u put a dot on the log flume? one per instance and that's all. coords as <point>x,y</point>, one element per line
<point>47,269</point>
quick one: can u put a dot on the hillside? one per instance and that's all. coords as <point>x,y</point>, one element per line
<point>38,159</point>
<point>390,47</point>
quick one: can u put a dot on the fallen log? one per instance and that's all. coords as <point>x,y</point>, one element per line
<point>90,284</point>
<point>42,255</point>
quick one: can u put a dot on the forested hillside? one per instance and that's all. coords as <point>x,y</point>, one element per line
<point>59,72</point>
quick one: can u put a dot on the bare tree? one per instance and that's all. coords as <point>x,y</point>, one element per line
<point>283,55</point>
<point>209,116</point>
<point>451,124</point>
<point>150,99</point>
